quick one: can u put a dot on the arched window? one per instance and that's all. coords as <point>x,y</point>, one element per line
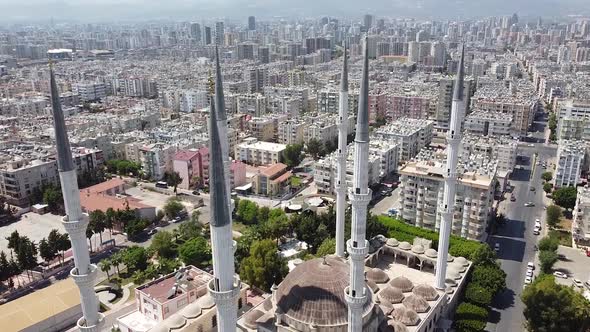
<point>214,321</point>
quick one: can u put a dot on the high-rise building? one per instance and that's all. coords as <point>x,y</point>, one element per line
<point>207,36</point>
<point>368,21</point>
<point>196,32</point>
<point>251,23</point>
<point>219,33</point>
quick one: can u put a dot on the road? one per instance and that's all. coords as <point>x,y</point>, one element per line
<point>516,236</point>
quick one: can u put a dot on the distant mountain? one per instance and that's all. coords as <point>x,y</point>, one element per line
<point>104,10</point>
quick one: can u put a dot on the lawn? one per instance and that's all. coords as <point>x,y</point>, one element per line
<point>565,237</point>
<point>295,181</point>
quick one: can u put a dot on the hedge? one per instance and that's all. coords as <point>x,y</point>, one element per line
<point>468,311</point>
<point>402,231</point>
<point>470,325</point>
<point>478,295</point>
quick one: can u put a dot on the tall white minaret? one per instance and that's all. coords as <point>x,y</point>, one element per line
<point>222,125</point>
<point>341,186</point>
<point>75,222</point>
<point>225,286</point>
<point>360,195</point>
<point>448,204</point>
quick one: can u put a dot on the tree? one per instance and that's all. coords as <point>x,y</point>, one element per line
<point>244,243</point>
<point>26,254</point>
<point>13,240</point>
<point>173,207</point>
<point>116,260</point>
<point>105,266</point>
<point>547,187</point>
<point>548,244</point>
<point>490,277</point>
<point>565,197</point>
<point>263,214</point>
<point>98,221</point>
<point>173,179</point>
<point>195,251</point>
<point>478,295</point>
<point>547,176</point>
<point>550,307</point>
<point>468,311</point>
<point>46,251</point>
<point>277,224</point>
<point>553,215</point>
<point>247,212</point>
<point>484,255</point>
<point>189,230</point>
<point>314,148</point>
<point>264,267</point>
<point>328,247</point>
<point>163,244</point>
<point>110,218</point>
<point>547,259</point>
<point>52,196</point>
<point>375,227</point>
<point>292,155</point>
<point>5,272</point>
<point>135,258</point>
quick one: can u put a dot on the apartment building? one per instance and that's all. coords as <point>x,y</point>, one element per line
<point>252,104</point>
<point>273,181</point>
<point>411,135</point>
<point>571,157</point>
<point>193,167</point>
<point>156,159</point>
<point>90,91</point>
<point>325,170</point>
<point>254,152</point>
<point>263,128</point>
<point>573,128</point>
<point>388,156</point>
<point>422,190</point>
<point>581,217</point>
<point>329,99</point>
<point>291,131</point>
<point>324,128</point>
<point>488,123</point>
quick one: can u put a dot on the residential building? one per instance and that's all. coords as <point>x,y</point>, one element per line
<point>90,91</point>
<point>581,217</point>
<point>488,123</point>
<point>263,128</point>
<point>570,163</point>
<point>291,131</point>
<point>254,152</point>
<point>411,135</point>
<point>272,180</point>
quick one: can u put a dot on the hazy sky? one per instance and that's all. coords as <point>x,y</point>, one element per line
<point>105,10</point>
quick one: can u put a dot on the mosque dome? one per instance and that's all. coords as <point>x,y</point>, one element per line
<point>313,293</point>
<point>403,283</point>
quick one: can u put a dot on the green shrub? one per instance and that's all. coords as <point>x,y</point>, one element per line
<point>490,277</point>
<point>468,311</point>
<point>478,295</point>
<point>470,325</point>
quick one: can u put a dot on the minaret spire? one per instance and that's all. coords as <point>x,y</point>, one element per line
<point>225,287</point>
<point>341,186</point>
<point>222,124</point>
<point>448,204</point>
<point>75,222</point>
<point>360,195</point>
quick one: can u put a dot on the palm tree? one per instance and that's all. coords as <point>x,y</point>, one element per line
<point>105,266</point>
<point>116,260</point>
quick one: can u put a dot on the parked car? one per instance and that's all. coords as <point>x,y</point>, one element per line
<point>153,231</point>
<point>536,232</point>
<point>560,274</point>
<point>530,266</point>
<point>529,273</point>
<point>196,193</point>
<point>528,280</point>
<point>587,284</point>
<point>497,247</point>
<point>529,204</point>
<point>578,282</point>
<point>512,198</point>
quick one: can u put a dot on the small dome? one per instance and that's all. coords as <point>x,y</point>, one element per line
<point>396,326</point>
<point>406,316</point>
<point>456,267</point>
<point>386,306</point>
<point>403,283</point>
<point>405,245</point>
<point>392,242</point>
<point>251,317</point>
<point>418,249</point>
<point>191,311</point>
<point>454,275</point>
<point>175,321</point>
<point>297,261</point>
<point>462,261</point>
<point>373,286</point>
<point>450,258</point>
<point>206,302</point>
<point>416,303</point>
<point>377,275</point>
<point>426,291</point>
<point>431,253</point>
<point>391,294</point>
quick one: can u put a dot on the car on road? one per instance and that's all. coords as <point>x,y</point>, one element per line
<point>529,204</point>
<point>587,284</point>
<point>577,282</point>
<point>153,231</point>
<point>530,266</point>
<point>536,232</point>
<point>529,273</point>
<point>512,198</point>
<point>177,219</point>
<point>497,247</point>
<point>560,274</point>
<point>528,280</point>
<point>531,145</point>
<point>533,189</point>
<point>196,193</point>
<point>561,256</point>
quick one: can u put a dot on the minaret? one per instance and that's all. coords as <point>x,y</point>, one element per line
<point>448,204</point>
<point>75,222</point>
<point>341,158</point>
<point>225,286</point>
<point>360,195</point>
<point>222,125</point>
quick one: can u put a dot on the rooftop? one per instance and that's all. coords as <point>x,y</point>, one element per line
<point>174,284</point>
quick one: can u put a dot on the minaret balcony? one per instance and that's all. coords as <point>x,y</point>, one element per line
<point>357,251</point>
<point>358,300</point>
<point>84,280</point>
<point>81,324</point>
<point>221,297</point>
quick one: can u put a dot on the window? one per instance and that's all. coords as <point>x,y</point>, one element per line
<point>214,321</point>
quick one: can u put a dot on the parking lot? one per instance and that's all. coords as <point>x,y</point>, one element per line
<point>576,265</point>
<point>33,225</point>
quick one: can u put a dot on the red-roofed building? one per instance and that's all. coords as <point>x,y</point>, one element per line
<point>192,166</point>
<point>272,180</point>
<point>111,194</point>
